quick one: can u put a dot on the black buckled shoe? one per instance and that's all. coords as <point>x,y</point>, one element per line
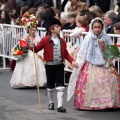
<point>61,109</point>
<point>51,106</point>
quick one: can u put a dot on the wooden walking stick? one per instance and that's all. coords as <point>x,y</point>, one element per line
<point>37,80</point>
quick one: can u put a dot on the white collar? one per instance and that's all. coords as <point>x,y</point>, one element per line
<point>55,40</point>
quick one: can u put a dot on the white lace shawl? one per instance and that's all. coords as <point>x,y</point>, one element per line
<point>81,55</point>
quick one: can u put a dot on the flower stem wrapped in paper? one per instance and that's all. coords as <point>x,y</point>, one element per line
<point>111,52</point>
<point>20,50</point>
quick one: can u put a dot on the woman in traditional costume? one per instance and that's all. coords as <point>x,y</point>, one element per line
<point>24,74</point>
<point>93,85</point>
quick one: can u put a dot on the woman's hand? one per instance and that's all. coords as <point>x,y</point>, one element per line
<point>74,64</point>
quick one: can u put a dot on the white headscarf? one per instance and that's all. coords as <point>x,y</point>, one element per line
<point>91,24</point>
<point>94,53</point>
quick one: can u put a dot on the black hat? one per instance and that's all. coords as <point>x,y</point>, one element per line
<point>51,21</point>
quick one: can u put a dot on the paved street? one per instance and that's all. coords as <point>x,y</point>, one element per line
<point>22,104</point>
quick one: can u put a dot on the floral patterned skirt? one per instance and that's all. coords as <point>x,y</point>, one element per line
<point>96,88</point>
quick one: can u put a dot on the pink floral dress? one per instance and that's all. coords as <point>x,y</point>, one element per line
<point>96,88</point>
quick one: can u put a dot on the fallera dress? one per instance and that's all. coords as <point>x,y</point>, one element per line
<point>94,86</point>
<point>24,74</point>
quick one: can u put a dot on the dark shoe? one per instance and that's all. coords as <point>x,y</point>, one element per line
<point>61,109</point>
<point>51,106</point>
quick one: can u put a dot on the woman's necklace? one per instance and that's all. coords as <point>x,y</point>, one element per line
<point>32,38</point>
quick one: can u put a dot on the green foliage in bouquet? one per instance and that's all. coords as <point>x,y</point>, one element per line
<point>111,52</point>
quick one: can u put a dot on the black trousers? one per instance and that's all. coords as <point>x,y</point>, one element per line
<point>55,75</point>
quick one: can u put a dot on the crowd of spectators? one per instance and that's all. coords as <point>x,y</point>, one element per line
<point>11,12</point>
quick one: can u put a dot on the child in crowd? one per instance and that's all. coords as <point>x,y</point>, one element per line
<point>82,26</point>
<point>55,53</point>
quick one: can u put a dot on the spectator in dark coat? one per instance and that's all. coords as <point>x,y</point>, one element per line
<point>40,15</point>
<point>110,19</point>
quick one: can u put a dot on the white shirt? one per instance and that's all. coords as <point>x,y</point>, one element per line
<point>55,40</point>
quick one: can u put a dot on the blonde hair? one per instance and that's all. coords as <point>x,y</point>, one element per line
<point>82,20</point>
<point>97,10</point>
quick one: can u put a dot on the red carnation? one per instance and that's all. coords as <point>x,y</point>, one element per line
<point>23,43</point>
<point>20,52</point>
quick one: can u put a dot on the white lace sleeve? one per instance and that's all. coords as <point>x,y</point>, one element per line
<point>77,31</point>
<point>82,52</point>
<point>80,60</point>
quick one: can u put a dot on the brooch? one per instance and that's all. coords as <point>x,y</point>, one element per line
<point>51,43</point>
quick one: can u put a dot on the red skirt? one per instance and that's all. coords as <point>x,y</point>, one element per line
<point>12,64</point>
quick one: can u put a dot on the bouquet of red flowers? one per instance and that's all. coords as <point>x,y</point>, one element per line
<point>20,50</point>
